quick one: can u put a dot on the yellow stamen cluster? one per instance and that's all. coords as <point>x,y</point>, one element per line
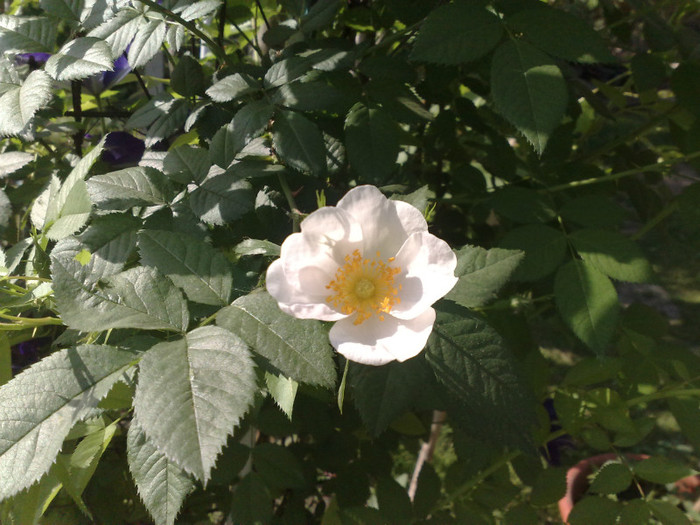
<point>364,286</point>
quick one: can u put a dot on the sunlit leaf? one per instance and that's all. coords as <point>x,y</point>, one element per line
<point>204,383</point>
<point>39,407</point>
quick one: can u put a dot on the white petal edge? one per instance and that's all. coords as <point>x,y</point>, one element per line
<point>376,342</point>
<point>293,301</point>
<point>427,273</point>
<point>386,224</point>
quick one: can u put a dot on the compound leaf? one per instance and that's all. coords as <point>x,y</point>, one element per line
<point>40,405</point>
<point>205,383</point>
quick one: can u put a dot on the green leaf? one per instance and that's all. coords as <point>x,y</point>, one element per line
<point>299,142</point>
<point>561,34</point>
<point>13,161</point>
<point>283,390</point>
<point>221,199</point>
<point>80,58</point>
<point>193,10</point>
<point>658,469</point>
<point>233,87</point>
<point>27,34</point>
<point>62,211</point>
<point>285,71</point>
<point>298,348</point>
<point>251,502</point>
<point>309,96</point>
<point>428,491</point>
<point>137,298</point>
<point>146,43</point>
<point>186,164</point>
<point>635,511</point>
<point>67,10</point>
<point>522,205</point>
<point>383,393</point>
<point>457,33</point>
<point>19,104</point>
<point>248,123</point>
<point>544,249</point>
<point>202,272</point>
<point>393,500</point>
<point>162,115</point>
<point>205,383</point>
<point>29,505</point>
<point>109,242</point>
<point>549,487</point>
<point>595,211</point>
<point>188,77</point>
<point>123,189</point>
<point>687,414</point>
<point>667,513</point>
<point>595,509</point>
<point>257,247</point>
<point>40,405</point>
<point>587,301</point>
<point>482,273</point>
<point>161,484</point>
<point>278,466</point>
<point>528,90</point>
<point>613,254</point>
<point>119,30</point>
<point>611,479</point>
<point>76,470</point>
<point>371,142</point>
<point>485,393</point>
<point>321,14</point>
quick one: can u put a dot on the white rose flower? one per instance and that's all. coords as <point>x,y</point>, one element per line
<point>369,264</point>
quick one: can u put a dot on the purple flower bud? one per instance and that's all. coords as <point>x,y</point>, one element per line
<point>122,149</point>
<point>27,352</point>
<point>102,81</point>
<point>33,59</point>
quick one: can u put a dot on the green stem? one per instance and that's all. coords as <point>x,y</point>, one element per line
<point>192,28</point>
<point>656,220</point>
<point>479,478</point>
<point>341,389</point>
<point>659,166</point>
<point>21,323</point>
<point>296,214</point>
<point>663,394</point>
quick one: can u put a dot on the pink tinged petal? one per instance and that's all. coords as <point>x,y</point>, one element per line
<point>376,342</point>
<point>427,273</point>
<point>385,224</point>
<point>295,301</point>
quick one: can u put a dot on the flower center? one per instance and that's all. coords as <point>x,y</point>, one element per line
<point>365,286</point>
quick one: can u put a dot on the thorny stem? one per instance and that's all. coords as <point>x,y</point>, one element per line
<point>426,451</point>
<point>658,166</point>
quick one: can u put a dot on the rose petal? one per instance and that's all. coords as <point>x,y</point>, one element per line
<point>427,273</point>
<point>385,224</point>
<point>376,342</point>
<point>335,229</point>
<point>295,301</point>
